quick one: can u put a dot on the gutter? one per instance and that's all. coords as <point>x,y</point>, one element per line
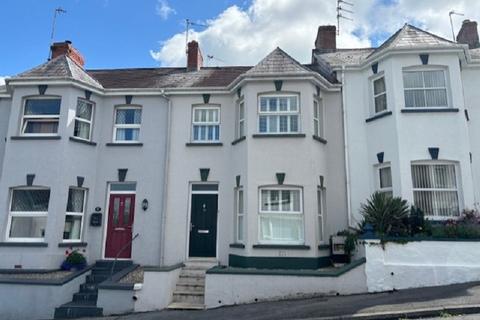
<point>165,180</point>
<point>345,143</point>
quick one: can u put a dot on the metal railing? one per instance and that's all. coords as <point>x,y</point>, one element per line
<point>119,252</point>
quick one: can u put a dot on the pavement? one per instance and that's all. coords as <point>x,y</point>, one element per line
<point>443,301</point>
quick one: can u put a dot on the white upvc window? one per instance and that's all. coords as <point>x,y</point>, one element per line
<point>435,189</point>
<point>384,180</point>
<point>72,231</point>
<point>281,215</point>
<point>318,118</point>
<point>278,114</point>
<point>321,213</point>
<point>425,89</point>
<point>379,95</point>
<point>241,119</point>
<point>127,124</point>
<point>83,120</point>
<point>239,216</point>
<point>41,116</point>
<point>206,124</point>
<point>28,214</point>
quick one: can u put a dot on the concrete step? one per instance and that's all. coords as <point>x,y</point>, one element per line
<point>120,264</point>
<point>190,288</point>
<point>85,296</point>
<point>185,306</point>
<point>200,264</point>
<point>193,273</point>
<point>188,297</point>
<point>191,281</point>
<point>88,288</point>
<point>76,310</point>
<point>96,278</point>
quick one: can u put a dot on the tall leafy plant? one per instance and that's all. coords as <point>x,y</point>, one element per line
<point>388,215</point>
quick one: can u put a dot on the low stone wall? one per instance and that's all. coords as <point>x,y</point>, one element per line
<point>37,299</point>
<point>424,263</point>
<point>232,286</point>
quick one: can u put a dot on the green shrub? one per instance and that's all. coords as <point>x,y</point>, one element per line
<point>76,258</point>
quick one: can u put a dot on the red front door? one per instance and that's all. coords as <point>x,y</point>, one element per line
<point>119,229</point>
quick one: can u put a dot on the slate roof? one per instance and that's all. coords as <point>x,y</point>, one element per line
<point>60,67</point>
<point>278,61</point>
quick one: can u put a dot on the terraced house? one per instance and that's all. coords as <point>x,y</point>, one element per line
<point>249,168</point>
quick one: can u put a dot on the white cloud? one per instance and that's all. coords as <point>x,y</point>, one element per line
<point>243,36</point>
<point>164,10</point>
<point>2,80</point>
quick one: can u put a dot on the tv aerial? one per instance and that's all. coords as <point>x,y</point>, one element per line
<point>57,12</point>
<point>341,12</point>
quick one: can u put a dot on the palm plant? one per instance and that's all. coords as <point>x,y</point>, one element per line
<point>388,215</point>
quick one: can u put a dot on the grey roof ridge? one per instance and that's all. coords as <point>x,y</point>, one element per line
<point>277,49</point>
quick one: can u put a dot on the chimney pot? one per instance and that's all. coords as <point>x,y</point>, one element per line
<point>468,34</point>
<point>326,38</point>
<point>194,57</point>
<point>66,48</point>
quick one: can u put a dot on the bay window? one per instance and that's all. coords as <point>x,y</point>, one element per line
<point>127,124</point>
<point>281,216</point>
<point>83,120</point>
<point>435,189</point>
<point>206,124</point>
<point>241,120</point>
<point>379,95</point>
<point>74,216</point>
<point>41,116</point>
<point>28,214</point>
<point>385,180</point>
<point>320,212</point>
<point>239,216</point>
<point>278,114</point>
<point>425,89</point>
<point>318,116</point>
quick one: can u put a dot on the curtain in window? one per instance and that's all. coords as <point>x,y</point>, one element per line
<point>28,227</point>
<point>128,116</point>
<point>30,200</point>
<point>75,200</point>
<point>73,227</point>
<point>425,89</point>
<point>82,130</point>
<point>127,134</point>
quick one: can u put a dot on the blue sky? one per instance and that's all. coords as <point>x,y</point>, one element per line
<point>128,33</point>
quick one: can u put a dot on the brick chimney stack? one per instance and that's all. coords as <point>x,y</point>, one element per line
<point>326,39</point>
<point>66,48</point>
<point>468,34</point>
<point>194,57</point>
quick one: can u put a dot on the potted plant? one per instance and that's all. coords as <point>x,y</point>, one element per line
<point>74,260</point>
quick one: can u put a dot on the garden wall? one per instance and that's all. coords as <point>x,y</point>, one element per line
<point>424,263</point>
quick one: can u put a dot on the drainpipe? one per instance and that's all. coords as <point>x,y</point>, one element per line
<point>345,143</point>
<point>165,180</point>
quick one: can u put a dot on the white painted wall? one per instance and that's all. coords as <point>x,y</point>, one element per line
<point>157,290</point>
<point>231,289</point>
<point>419,264</point>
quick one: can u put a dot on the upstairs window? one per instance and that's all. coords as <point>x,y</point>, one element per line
<point>28,214</point>
<point>241,120</point>
<point>127,124</point>
<point>385,180</point>
<point>425,89</point>
<point>278,114</point>
<point>41,116</point>
<point>379,95</point>
<point>435,189</point>
<point>206,124</point>
<point>83,120</point>
<point>281,216</point>
<point>318,116</point>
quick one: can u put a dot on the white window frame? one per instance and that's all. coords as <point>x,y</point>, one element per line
<point>299,213</point>
<point>422,70</point>
<point>25,214</point>
<point>321,207</point>
<point>279,113</point>
<point>319,109</point>
<point>458,189</point>
<point>374,106</point>
<point>89,122</point>
<point>76,214</point>
<point>241,121</point>
<point>39,118</point>
<point>126,126</point>
<point>378,178</point>
<point>206,123</point>
<point>239,237</point>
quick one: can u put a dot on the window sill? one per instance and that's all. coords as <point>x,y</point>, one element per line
<point>23,244</point>
<point>90,143</point>
<point>124,144</point>
<point>324,247</point>
<point>35,137</point>
<point>319,139</point>
<point>237,245</point>
<point>421,110</point>
<point>72,244</point>
<point>234,142</point>
<point>379,116</point>
<point>281,246</point>
<point>279,135</point>
<point>204,144</point>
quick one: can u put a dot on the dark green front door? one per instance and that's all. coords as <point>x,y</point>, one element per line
<point>203,225</point>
